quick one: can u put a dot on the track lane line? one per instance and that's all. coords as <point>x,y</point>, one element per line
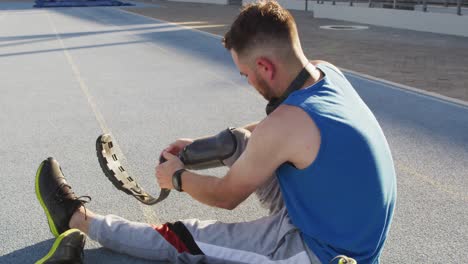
<point>172,54</point>
<point>148,213</point>
<point>408,89</point>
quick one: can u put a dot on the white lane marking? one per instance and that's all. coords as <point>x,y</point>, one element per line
<point>76,72</point>
<point>171,23</point>
<point>382,82</point>
<point>172,54</point>
<point>148,212</point>
<point>408,89</point>
<point>21,12</point>
<point>196,30</point>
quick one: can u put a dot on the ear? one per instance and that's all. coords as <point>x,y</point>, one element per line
<point>266,68</point>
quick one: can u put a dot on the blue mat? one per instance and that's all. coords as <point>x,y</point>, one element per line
<point>79,3</point>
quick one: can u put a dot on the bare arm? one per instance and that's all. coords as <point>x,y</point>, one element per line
<point>204,188</point>
<point>271,144</point>
<point>244,177</point>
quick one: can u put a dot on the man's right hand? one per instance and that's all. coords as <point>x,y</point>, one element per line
<point>176,147</point>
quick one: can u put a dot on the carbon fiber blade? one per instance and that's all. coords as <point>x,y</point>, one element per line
<point>118,175</point>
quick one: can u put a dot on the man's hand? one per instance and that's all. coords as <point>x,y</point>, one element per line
<point>176,147</point>
<point>164,171</point>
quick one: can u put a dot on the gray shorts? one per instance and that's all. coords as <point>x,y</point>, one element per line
<point>271,239</point>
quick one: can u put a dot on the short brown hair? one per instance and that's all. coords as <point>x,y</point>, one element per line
<point>264,23</point>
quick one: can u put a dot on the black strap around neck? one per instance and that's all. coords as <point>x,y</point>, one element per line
<point>296,84</point>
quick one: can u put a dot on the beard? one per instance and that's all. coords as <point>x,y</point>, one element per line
<point>264,89</point>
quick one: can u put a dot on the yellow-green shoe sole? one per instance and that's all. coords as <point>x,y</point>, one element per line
<point>55,246</point>
<point>52,227</point>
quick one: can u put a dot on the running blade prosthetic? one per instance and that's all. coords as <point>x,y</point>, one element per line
<point>117,174</point>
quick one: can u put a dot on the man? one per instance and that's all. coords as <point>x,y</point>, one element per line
<point>320,144</point>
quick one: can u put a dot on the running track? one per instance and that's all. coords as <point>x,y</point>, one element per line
<point>67,75</point>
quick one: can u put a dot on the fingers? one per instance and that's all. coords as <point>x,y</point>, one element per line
<point>174,148</point>
<point>164,171</point>
<point>159,174</point>
<point>177,146</point>
<point>168,155</point>
<point>163,181</point>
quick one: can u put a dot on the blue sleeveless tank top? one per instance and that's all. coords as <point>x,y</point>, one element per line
<point>343,202</point>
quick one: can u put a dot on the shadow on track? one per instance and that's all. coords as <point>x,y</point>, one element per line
<point>35,252</point>
<point>28,254</point>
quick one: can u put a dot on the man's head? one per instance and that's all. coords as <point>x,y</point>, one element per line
<point>265,46</point>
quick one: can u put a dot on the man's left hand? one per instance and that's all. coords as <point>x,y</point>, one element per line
<point>165,170</point>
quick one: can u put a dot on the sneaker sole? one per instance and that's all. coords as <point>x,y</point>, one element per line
<point>55,245</point>
<point>52,227</point>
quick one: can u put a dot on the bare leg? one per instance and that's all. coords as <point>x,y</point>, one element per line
<point>82,219</point>
<point>132,238</point>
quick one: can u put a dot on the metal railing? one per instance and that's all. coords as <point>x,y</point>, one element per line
<point>437,6</point>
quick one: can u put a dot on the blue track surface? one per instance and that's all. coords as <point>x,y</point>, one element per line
<point>70,74</point>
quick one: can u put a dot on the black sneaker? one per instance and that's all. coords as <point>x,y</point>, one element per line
<point>67,248</point>
<point>56,197</point>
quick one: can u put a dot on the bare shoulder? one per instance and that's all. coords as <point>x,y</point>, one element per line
<point>293,132</point>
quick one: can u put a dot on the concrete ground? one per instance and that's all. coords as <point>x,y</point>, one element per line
<point>427,61</point>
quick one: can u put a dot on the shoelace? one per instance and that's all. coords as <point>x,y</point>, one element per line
<point>62,196</point>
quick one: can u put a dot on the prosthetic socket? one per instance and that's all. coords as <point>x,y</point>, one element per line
<point>209,152</point>
<point>223,149</point>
